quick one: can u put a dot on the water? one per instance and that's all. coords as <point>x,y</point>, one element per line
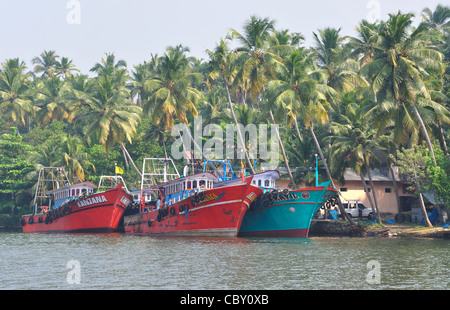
<point>117,261</point>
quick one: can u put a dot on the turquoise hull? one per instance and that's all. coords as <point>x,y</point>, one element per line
<point>284,214</point>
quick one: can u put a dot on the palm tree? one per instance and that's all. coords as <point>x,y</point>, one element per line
<point>363,46</point>
<point>401,63</point>
<point>257,57</point>
<point>140,75</point>
<point>339,70</point>
<point>75,158</point>
<point>46,63</point>
<point>438,20</point>
<point>353,146</point>
<point>171,92</point>
<point>222,62</point>
<point>297,93</point>
<point>65,67</point>
<point>51,100</point>
<point>111,116</point>
<point>259,63</point>
<point>108,65</point>
<point>14,87</point>
<point>81,89</point>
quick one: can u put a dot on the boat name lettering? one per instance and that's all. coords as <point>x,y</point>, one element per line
<point>125,201</point>
<point>209,197</point>
<point>251,197</point>
<point>282,197</point>
<point>91,201</point>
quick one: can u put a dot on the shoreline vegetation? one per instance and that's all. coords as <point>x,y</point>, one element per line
<point>339,228</point>
<point>375,100</point>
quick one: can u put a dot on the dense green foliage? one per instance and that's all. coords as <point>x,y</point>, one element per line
<point>384,90</point>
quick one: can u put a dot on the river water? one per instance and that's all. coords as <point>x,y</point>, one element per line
<point>118,261</point>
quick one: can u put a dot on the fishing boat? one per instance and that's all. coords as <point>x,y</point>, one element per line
<point>278,212</point>
<point>171,205</point>
<point>60,207</point>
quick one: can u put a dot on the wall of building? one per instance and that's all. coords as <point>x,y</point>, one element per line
<point>387,202</point>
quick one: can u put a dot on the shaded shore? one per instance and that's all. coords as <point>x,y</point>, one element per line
<point>339,228</point>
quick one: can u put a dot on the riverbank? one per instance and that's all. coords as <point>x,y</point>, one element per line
<point>331,228</point>
<point>338,228</point>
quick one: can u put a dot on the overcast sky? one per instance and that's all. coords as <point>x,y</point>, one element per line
<point>84,30</point>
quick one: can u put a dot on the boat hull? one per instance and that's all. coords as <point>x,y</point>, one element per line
<point>219,214</point>
<point>288,215</point>
<point>99,213</point>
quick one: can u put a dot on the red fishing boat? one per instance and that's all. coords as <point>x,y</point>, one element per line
<point>76,208</point>
<point>189,205</point>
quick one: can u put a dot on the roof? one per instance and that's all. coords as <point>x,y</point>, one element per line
<point>78,185</point>
<point>351,175</point>
<point>207,175</point>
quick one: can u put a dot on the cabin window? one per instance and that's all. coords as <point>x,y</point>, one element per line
<point>266,183</point>
<point>387,190</point>
<point>202,183</point>
<point>78,191</point>
<point>194,184</point>
<point>259,182</point>
<point>188,186</point>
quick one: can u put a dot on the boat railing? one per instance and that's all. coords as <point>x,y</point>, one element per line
<point>107,182</point>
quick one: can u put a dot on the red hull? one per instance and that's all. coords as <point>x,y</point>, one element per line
<point>100,212</point>
<point>219,214</point>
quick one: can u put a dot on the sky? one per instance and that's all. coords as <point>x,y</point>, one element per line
<point>85,30</point>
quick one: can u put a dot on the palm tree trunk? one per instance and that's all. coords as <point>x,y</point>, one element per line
<point>367,192</point>
<point>424,211</point>
<point>125,157</point>
<point>124,149</point>
<point>327,169</point>
<point>298,131</point>
<point>241,139</point>
<point>442,138</point>
<point>397,196</point>
<point>286,162</point>
<point>378,216</point>
<point>424,132</point>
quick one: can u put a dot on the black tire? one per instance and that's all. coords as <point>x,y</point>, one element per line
<point>201,196</point>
